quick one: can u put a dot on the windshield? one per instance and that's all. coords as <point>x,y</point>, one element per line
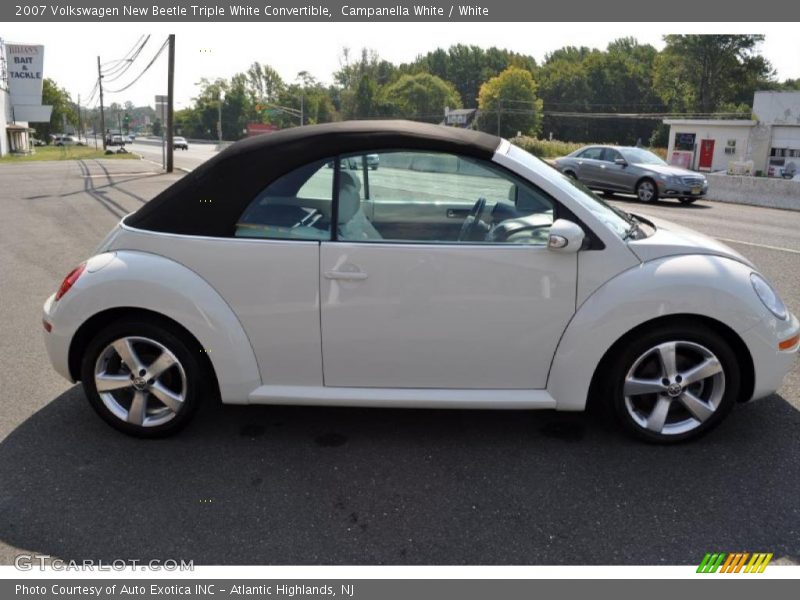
<point>642,157</point>
<point>615,219</point>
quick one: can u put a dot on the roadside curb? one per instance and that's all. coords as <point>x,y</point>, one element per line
<point>184,169</point>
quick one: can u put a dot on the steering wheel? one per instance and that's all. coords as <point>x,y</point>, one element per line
<point>472,220</point>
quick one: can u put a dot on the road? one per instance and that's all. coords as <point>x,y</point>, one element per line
<point>183,159</point>
<point>289,485</point>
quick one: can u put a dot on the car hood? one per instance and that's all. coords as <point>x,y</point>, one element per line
<point>671,239</point>
<point>667,170</point>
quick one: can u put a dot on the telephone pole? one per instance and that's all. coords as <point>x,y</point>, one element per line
<point>170,100</point>
<point>102,113</point>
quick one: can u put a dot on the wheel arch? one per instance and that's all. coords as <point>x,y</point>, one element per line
<point>96,323</point>
<point>702,288</point>
<point>743,356</point>
<point>645,178</point>
<point>156,287</point>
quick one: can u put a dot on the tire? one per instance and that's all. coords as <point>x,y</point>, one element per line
<point>639,368</point>
<point>647,190</point>
<point>571,174</point>
<point>687,201</point>
<point>181,383</point>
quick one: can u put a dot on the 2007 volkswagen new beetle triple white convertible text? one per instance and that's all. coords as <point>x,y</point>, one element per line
<point>464,273</point>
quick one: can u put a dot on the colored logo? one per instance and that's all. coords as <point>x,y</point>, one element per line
<point>735,562</point>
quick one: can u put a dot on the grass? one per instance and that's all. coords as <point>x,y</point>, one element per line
<point>63,153</point>
<point>556,148</point>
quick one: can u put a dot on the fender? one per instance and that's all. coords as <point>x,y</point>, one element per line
<point>704,285</point>
<point>125,279</point>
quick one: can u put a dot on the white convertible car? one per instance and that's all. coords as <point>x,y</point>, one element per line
<point>464,273</point>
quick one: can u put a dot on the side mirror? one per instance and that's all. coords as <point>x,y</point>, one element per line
<point>565,236</point>
<point>621,162</point>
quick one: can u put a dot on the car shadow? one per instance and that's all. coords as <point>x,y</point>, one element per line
<point>669,203</point>
<point>293,485</point>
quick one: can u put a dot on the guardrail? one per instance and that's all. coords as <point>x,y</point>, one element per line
<point>756,191</point>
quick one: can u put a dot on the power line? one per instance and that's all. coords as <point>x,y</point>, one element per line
<point>114,76</point>
<point>125,57</point>
<point>150,64</point>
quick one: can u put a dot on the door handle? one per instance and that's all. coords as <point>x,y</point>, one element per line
<point>455,213</point>
<point>346,275</point>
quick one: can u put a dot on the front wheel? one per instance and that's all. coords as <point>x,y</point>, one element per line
<point>646,190</point>
<point>143,377</point>
<point>674,383</point>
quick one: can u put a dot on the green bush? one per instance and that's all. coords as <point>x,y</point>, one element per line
<point>556,148</point>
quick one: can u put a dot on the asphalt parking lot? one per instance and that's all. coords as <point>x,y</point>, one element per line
<point>289,485</point>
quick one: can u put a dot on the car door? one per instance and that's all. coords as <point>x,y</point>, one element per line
<point>400,309</point>
<point>588,167</point>
<point>613,176</point>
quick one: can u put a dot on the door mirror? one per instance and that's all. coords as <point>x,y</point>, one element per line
<point>621,162</point>
<point>565,236</point>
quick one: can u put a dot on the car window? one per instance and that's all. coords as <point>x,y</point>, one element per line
<point>428,197</point>
<point>295,206</point>
<point>610,155</point>
<point>592,154</point>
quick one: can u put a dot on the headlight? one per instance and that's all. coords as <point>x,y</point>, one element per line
<point>769,296</point>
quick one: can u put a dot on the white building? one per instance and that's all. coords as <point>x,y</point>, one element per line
<point>21,82</point>
<point>771,140</point>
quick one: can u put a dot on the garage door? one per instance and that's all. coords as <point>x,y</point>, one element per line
<point>786,137</point>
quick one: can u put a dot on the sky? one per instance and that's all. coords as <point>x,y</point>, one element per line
<point>214,50</point>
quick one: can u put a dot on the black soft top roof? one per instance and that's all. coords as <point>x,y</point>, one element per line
<point>209,200</point>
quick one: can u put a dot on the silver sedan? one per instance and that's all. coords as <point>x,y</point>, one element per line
<point>630,170</point>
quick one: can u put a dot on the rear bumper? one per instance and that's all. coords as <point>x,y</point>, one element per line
<point>56,341</point>
<point>771,364</point>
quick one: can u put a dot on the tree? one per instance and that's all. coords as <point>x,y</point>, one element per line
<point>422,96</point>
<point>508,104</point>
<point>467,67</point>
<point>701,72</point>
<point>63,108</point>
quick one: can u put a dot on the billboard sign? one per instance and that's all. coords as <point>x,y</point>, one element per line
<point>25,66</point>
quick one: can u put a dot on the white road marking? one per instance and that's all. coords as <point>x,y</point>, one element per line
<point>779,248</point>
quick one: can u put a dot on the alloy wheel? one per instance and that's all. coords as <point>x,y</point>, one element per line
<point>140,381</point>
<point>646,191</point>
<point>674,387</point>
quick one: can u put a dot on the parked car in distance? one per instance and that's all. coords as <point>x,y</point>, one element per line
<point>631,170</point>
<point>131,137</point>
<point>180,142</point>
<point>469,274</point>
<point>67,140</point>
<point>37,142</point>
<point>115,140</point>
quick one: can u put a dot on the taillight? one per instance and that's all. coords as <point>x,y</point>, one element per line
<point>70,280</point>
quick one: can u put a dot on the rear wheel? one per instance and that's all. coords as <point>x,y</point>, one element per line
<point>674,384</point>
<point>143,377</point>
<point>646,190</point>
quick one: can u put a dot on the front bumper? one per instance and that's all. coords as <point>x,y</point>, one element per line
<point>672,190</point>
<point>769,362</point>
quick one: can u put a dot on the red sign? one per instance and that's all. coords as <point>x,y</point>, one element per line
<point>259,128</point>
<point>706,155</point>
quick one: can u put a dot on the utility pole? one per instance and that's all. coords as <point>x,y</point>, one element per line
<point>302,107</point>
<point>170,100</point>
<point>79,117</point>
<point>102,113</point>
<point>499,110</point>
